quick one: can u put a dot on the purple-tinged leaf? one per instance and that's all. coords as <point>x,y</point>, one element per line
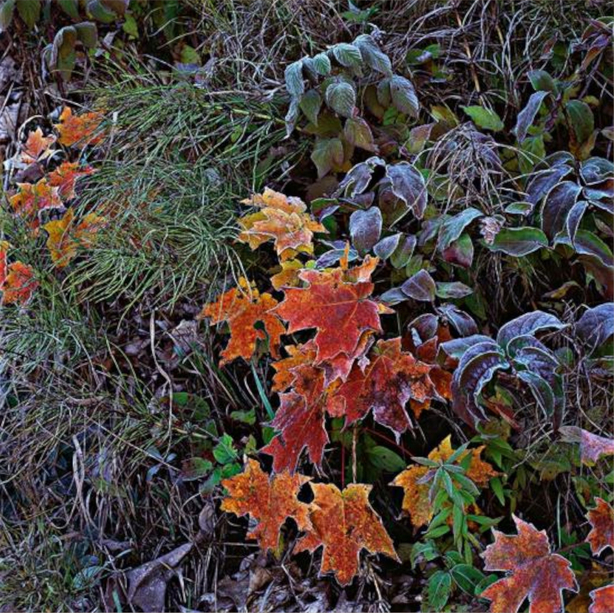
<point>457,347</point>
<point>541,390</point>
<point>420,287</point>
<point>460,252</point>
<point>543,182</point>
<point>387,246</point>
<point>407,183</point>
<point>475,369</point>
<point>526,117</point>
<point>358,178</point>
<point>332,257</point>
<point>596,325</point>
<point>425,326</point>
<point>592,446</point>
<point>519,241</point>
<point>558,203</point>
<point>452,227</point>
<point>595,170</point>
<point>527,324</point>
<point>574,218</point>
<point>453,289</point>
<point>587,243</point>
<point>365,229</point>
<point>463,323</point>
<point>601,195</point>
<point>393,296</point>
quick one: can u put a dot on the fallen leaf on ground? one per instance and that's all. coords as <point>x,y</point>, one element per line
<point>601,519</point>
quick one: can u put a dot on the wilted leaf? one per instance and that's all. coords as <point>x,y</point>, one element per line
<point>557,205</point>
<point>300,417</point>
<point>372,55</point>
<point>79,130</point>
<point>533,572</point>
<point>17,283</point>
<point>601,519</point>
<point>596,325</point>
<point>477,366</point>
<point>453,289</point>
<point>281,219</point>
<point>344,523</point>
<point>310,104</point>
<point>270,501</point>
<point>293,76</point>
<point>416,499</point>
<point>359,177</point>
<point>243,307</point>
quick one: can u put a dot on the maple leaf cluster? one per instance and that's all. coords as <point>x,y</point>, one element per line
<point>342,522</point>
<point>65,234</point>
<point>343,370</point>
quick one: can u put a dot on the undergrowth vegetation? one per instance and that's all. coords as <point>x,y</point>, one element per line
<point>306,306</point>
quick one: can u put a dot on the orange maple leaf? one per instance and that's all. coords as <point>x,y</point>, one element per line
<point>344,523</point>
<point>79,130</point>
<point>389,380</point>
<point>66,236</point>
<point>416,500</point>
<point>37,147</point>
<point>32,198</point>
<point>65,176</point>
<point>17,282</point>
<point>269,500</point>
<point>281,219</point>
<point>534,572</point>
<point>339,310</point>
<point>601,519</point>
<point>243,307</point>
<point>603,600</point>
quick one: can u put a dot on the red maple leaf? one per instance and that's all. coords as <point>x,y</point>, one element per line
<point>269,500</point>
<point>340,311</point>
<point>300,419</point>
<point>344,523</point>
<point>534,572</point>
<point>390,379</point>
<point>601,519</point>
